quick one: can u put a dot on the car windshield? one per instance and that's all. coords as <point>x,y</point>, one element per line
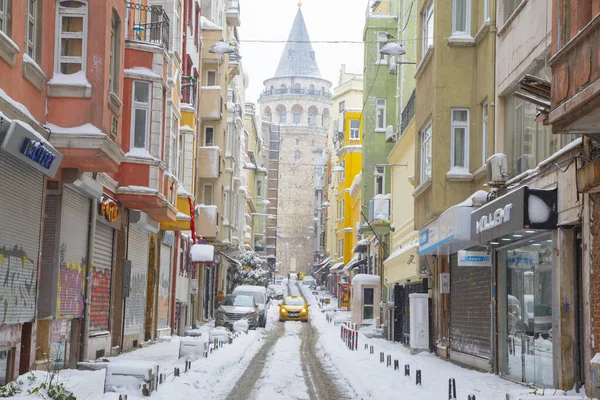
<point>239,301</point>
<point>293,301</point>
<point>258,296</point>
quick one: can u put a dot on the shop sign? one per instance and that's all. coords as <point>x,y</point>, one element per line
<point>109,208</point>
<point>474,259</point>
<point>498,217</point>
<point>30,147</point>
<point>449,233</point>
<point>445,282</point>
<point>168,239</point>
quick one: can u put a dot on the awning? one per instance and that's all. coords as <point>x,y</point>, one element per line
<point>402,264</point>
<point>449,233</point>
<point>357,264</point>
<point>322,263</point>
<point>361,246</point>
<point>336,266</point>
<point>323,268</point>
<point>231,259</point>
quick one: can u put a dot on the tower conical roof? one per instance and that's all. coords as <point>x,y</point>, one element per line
<point>298,58</point>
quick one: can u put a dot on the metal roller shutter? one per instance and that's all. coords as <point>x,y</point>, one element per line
<point>101,278</point>
<point>135,312</point>
<point>470,309</point>
<point>164,286</point>
<point>21,201</point>
<point>74,225</point>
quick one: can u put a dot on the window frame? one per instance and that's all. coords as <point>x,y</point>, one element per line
<point>381,37</point>
<point>81,12</point>
<point>259,188</point>
<point>180,157</point>
<point>206,128</point>
<point>6,18</point>
<point>484,132</point>
<point>34,18</point>
<point>378,173</point>
<point>283,120</point>
<point>177,25</point>
<point>459,125</point>
<point>115,51</point>
<point>312,121</point>
<point>212,194</point>
<point>377,108</point>
<point>342,106</point>
<point>136,105</point>
<point>297,156</point>
<point>425,149</point>
<point>355,132</point>
<point>427,37</point>
<point>210,72</point>
<point>467,21</point>
<point>173,136</point>
<point>340,247</point>
<point>297,116</point>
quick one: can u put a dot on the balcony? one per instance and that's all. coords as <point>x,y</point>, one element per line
<point>211,106</point>
<point>233,13</point>
<point>576,83</point>
<point>294,92</point>
<point>206,221</point>
<point>183,219</point>
<point>147,24</point>
<point>209,162</point>
<point>189,91</point>
<point>234,64</point>
<point>379,209</point>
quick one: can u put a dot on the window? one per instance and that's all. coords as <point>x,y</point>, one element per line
<point>426,160</point>
<point>5,363</point>
<point>258,188</point>
<point>290,53</point>
<point>177,26</point>
<point>510,7</point>
<point>226,207</point>
<point>297,156</point>
<point>461,17</point>
<point>427,28</point>
<point>271,89</point>
<point>173,145</point>
<point>311,118</point>
<point>381,41</point>
<point>209,136</point>
<point>296,116</point>
<point>486,10</point>
<point>297,88</point>
<point>115,51</point>
<point>282,116</point>
<point>197,26</point>
<point>312,143</point>
<point>6,16</point>
<point>283,88</point>
<point>368,299</point>
<point>311,89</point>
<point>71,36</point>
<point>343,171</point>
<point>141,114</point>
<point>297,142</point>
<point>342,209</point>
<point>459,146</point>
<point>340,249</point>
<point>34,25</point>
<point>379,176</point>
<point>354,129</point>
<point>207,194</point>
<point>180,158</point>
<point>380,115</point>
<point>484,133</point>
<point>211,78</point>
<point>342,106</point>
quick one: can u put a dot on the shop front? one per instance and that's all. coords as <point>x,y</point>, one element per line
<point>26,158</point>
<point>518,230</point>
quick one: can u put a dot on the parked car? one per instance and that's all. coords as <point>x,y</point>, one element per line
<point>308,280</point>
<point>237,307</point>
<point>538,317</point>
<point>293,308</point>
<point>276,291</point>
<point>259,293</point>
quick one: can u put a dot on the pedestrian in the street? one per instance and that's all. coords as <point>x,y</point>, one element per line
<point>220,297</point>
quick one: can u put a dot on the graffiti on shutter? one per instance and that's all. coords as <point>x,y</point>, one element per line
<point>470,312</point>
<point>101,278</point>
<point>135,311</point>
<point>20,216</point>
<point>164,286</point>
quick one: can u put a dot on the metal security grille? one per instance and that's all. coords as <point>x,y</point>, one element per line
<point>470,309</point>
<point>135,306</point>
<point>163,286</point>
<point>49,266</point>
<point>101,278</point>
<point>20,224</point>
<point>73,253</point>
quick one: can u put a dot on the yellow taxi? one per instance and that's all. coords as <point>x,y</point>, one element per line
<point>293,308</point>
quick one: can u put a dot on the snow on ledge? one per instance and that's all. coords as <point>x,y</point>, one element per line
<point>76,79</point>
<point>365,279</point>
<point>208,25</point>
<point>142,72</point>
<point>133,189</point>
<point>85,129</point>
<point>182,217</point>
<point>139,153</point>
<point>19,106</point>
<point>14,46</point>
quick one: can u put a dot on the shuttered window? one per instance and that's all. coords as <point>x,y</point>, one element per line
<point>164,285</point>
<point>135,309</point>
<point>101,278</point>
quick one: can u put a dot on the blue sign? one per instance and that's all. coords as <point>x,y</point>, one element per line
<point>424,237</point>
<point>36,152</point>
<point>474,259</point>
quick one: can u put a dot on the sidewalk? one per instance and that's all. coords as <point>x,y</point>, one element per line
<point>371,379</point>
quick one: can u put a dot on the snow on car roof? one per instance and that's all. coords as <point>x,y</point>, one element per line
<point>250,288</point>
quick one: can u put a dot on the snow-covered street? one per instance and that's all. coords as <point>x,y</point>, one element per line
<point>291,360</point>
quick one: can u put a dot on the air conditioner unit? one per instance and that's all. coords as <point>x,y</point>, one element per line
<point>389,134</point>
<point>497,169</point>
<point>393,66</point>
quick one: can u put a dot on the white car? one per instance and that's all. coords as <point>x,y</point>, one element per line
<point>277,291</point>
<point>260,297</point>
<point>308,280</point>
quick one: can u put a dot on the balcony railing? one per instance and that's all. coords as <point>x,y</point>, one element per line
<point>278,92</point>
<point>188,90</point>
<point>409,112</point>
<point>148,24</point>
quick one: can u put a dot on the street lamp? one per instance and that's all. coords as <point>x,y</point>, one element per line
<point>250,166</point>
<point>221,48</point>
<point>393,49</point>
<point>325,204</point>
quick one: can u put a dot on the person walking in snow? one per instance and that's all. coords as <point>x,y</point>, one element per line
<point>220,297</point>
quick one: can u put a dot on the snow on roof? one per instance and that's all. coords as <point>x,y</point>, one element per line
<point>182,217</point>
<point>84,129</point>
<point>142,72</point>
<point>474,198</point>
<point>365,278</point>
<point>76,79</point>
<point>250,288</point>
<point>182,191</point>
<point>141,368</point>
<point>336,266</point>
<point>202,253</point>
<point>261,169</point>
<point>186,128</point>
<point>363,242</point>
<point>208,25</point>
<point>16,104</point>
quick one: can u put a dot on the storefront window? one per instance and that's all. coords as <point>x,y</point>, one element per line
<point>368,303</point>
<point>4,365</point>
<point>526,315</point>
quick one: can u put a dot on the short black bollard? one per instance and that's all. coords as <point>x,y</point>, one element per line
<point>372,350</point>
<point>418,377</point>
<point>389,361</point>
<point>471,397</point>
<point>451,389</point>
<point>396,365</point>
<point>381,357</point>
<point>366,346</point>
<point>122,397</point>
<point>406,370</point>
<point>176,371</point>
<point>160,379</point>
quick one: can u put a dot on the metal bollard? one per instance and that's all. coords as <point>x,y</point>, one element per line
<point>406,370</point>
<point>381,357</point>
<point>372,350</point>
<point>451,389</point>
<point>366,346</point>
<point>389,361</point>
<point>396,365</point>
<point>471,397</point>
<point>122,397</point>
<point>176,371</point>
<point>418,377</point>
<point>160,379</point>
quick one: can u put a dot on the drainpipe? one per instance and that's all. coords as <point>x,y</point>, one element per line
<point>88,279</point>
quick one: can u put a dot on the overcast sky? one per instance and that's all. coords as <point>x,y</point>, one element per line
<point>326,20</point>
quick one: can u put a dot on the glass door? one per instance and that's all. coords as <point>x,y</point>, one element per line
<point>527,271</point>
